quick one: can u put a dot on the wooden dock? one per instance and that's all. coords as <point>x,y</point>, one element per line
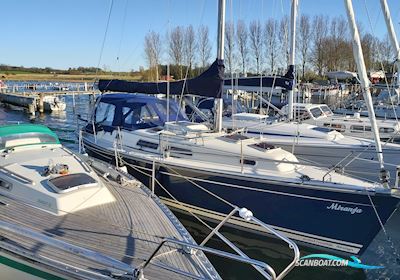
<point>35,101</point>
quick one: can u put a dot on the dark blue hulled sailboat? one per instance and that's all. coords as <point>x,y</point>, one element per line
<point>191,161</point>
<point>208,171</point>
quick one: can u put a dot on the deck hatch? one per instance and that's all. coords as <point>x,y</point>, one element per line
<point>263,146</point>
<point>71,182</point>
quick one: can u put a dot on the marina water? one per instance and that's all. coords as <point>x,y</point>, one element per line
<point>261,247</point>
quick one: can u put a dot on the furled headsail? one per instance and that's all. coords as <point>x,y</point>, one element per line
<point>285,82</point>
<point>208,84</point>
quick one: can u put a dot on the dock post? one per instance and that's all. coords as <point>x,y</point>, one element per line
<point>92,98</point>
<point>41,102</point>
<point>86,87</point>
<point>31,109</point>
<point>73,101</point>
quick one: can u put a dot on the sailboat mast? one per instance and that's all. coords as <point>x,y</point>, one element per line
<point>220,55</point>
<point>292,55</point>
<point>362,73</point>
<point>392,35</point>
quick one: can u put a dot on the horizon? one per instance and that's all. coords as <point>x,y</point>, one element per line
<point>69,34</point>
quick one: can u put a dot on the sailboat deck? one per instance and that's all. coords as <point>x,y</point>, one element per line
<point>128,230</point>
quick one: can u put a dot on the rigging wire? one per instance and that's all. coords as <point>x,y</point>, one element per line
<point>395,252</point>
<point>104,38</point>
<point>388,87</point>
<point>122,32</point>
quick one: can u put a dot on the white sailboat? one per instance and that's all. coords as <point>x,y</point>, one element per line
<point>67,217</point>
<point>355,125</point>
<point>208,171</point>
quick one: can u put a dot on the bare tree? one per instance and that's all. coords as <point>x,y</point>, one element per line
<point>242,36</point>
<point>387,53</point>
<point>343,45</point>
<point>283,38</point>
<point>367,42</point>
<point>176,47</point>
<point>203,43</point>
<point>255,34</point>
<point>304,40</point>
<point>229,45</point>
<point>320,24</point>
<point>375,54</point>
<point>271,42</point>
<point>153,48</point>
<point>190,46</point>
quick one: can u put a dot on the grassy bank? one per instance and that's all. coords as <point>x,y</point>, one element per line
<point>24,76</point>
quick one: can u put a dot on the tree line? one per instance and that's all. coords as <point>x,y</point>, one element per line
<point>323,44</point>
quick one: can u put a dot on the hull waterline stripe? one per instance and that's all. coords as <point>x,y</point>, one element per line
<point>27,269</point>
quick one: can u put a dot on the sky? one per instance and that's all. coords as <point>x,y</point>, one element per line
<point>69,33</point>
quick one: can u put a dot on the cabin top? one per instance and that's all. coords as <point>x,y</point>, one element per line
<point>12,136</point>
<point>309,110</point>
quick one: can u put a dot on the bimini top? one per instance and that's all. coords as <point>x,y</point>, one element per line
<point>26,134</point>
<point>208,84</point>
<point>134,111</point>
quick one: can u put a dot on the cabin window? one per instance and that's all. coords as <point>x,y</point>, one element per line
<point>105,113</point>
<point>5,185</point>
<point>386,130</point>
<point>360,128</point>
<point>148,114</point>
<point>179,151</point>
<point>161,108</point>
<point>145,144</point>
<point>248,162</point>
<point>139,113</point>
<point>127,113</point>
<point>326,110</point>
<point>174,111</point>
<point>336,126</point>
<point>322,129</point>
<point>316,112</point>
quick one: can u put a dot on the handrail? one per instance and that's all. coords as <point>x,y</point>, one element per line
<point>139,271</point>
<point>247,215</point>
<point>291,243</point>
<point>70,248</point>
<point>16,175</point>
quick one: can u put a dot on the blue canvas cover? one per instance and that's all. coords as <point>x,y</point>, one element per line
<point>285,81</point>
<point>208,84</point>
<point>132,106</point>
